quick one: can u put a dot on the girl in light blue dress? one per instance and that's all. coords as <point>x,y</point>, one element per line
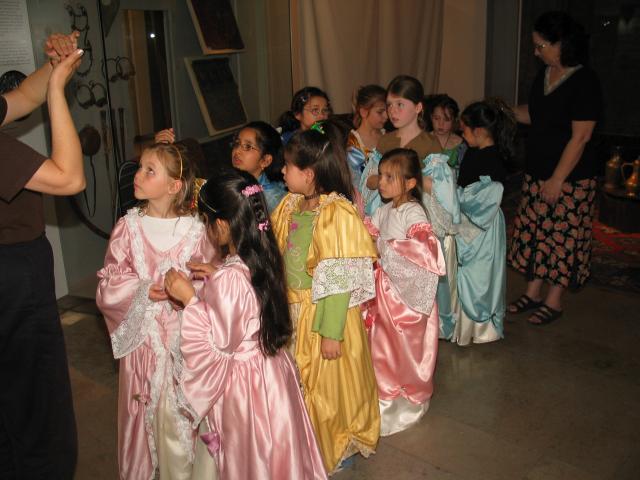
<point>489,128</point>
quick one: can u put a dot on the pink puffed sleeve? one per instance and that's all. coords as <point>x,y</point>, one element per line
<point>122,297</point>
<point>421,247</point>
<point>213,328</point>
<point>413,265</point>
<point>204,251</point>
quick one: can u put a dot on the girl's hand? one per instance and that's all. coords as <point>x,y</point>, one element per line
<point>176,305</point>
<point>372,182</point>
<point>157,293</point>
<point>200,270</point>
<point>165,136</point>
<point>331,349</point>
<point>59,46</point>
<point>178,286</point>
<point>551,190</point>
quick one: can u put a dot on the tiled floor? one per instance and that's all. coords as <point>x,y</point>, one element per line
<point>546,403</point>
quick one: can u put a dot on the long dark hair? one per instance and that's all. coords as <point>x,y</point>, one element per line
<point>288,120</point>
<point>269,143</point>
<point>323,151</point>
<point>408,87</point>
<point>406,165</point>
<point>560,27</point>
<point>233,196</point>
<point>494,115</point>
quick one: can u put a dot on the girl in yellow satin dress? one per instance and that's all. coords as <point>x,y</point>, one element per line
<point>329,257</point>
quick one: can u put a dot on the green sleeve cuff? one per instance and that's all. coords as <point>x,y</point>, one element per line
<point>331,313</point>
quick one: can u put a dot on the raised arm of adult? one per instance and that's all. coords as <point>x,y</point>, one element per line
<point>32,92</point>
<point>63,173</point>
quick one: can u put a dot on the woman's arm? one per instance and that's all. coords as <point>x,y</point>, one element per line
<point>522,114</point>
<point>580,134</point>
<point>63,173</point>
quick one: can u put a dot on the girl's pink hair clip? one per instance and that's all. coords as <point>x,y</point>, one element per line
<point>251,190</point>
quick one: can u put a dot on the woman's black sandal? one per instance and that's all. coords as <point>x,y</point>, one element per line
<point>523,304</point>
<point>545,314</point>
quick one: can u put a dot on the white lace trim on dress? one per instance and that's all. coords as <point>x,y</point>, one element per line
<point>415,285</point>
<point>340,275</point>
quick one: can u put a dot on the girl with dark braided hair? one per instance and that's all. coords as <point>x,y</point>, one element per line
<point>237,380</point>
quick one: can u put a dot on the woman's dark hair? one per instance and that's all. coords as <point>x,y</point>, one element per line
<point>269,143</point>
<point>325,154</point>
<point>445,102</point>
<point>560,27</point>
<point>494,115</point>
<point>407,165</point>
<point>233,196</point>
<point>410,88</point>
<point>366,97</point>
<point>288,120</point>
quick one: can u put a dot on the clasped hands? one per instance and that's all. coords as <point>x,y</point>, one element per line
<point>59,46</point>
<point>64,57</point>
<point>177,288</point>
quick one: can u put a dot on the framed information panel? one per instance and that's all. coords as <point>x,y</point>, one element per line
<point>215,26</point>
<point>217,93</point>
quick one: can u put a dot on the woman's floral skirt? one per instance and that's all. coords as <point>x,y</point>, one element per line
<point>553,242</point>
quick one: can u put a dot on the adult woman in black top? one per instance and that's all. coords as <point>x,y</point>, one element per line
<point>37,426</point>
<point>552,238</point>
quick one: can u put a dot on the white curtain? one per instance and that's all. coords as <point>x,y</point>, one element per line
<point>338,45</point>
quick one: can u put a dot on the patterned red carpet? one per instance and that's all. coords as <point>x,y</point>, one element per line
<point>615,259</point>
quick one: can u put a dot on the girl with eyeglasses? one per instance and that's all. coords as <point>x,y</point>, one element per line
<point>308,106</point>
<point>257,150</point>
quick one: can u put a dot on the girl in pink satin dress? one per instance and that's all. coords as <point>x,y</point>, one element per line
<point>402,320</point>
<point>154,436</point>
<point>237,381</point>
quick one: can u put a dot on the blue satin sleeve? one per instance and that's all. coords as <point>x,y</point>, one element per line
<point>480,201</point>
<point>372,200</point>
<point>444,183</point>
<point>355,160</point>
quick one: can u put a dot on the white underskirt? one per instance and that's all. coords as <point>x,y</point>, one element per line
<point>399,414</point>
<point>467,331</point>
<point>204,466</point>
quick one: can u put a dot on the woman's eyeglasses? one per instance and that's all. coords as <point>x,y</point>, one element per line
<point>245,147</point>
<point>540,46</point>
